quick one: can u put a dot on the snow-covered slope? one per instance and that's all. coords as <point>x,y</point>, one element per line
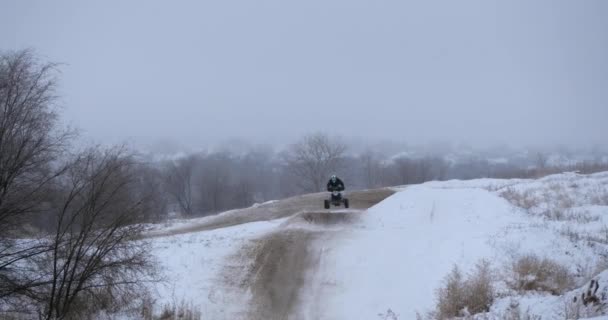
<point>398,254</point>
<point>387,262</point>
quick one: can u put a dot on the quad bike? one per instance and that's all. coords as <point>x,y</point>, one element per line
<point>336,200</point>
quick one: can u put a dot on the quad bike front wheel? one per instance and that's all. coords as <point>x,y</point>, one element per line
<point>326,204</point>
<point>346,203</point>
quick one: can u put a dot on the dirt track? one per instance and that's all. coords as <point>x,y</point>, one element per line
<point>360,200</point>
<point>282,262</point>
<point>278,273</point>
<point>276,267</point>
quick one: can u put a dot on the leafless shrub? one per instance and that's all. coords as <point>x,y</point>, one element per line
<point>592,239</point>
<point>571,234</point>
<point>371,169</point>
<point>589,268</point>
<point>599,197</point>
<point>202,184</point>
<point>146,308</point>
<point>426,316</point>
<point>541,161</point>
<point>149,188</point>
<point>590,297</point>
<point>450,297</point>
<point>149,309</point>
<point>514,312</point>
<point>555,203</point>
<point>181,311</point>
<point>517,314</point>
<point>459,296</point>
<point>388,315</point>
<point>580,216</point>
<point>563,199</point>
<point>531,273</point>
<point>179,176</point>
<point>525,200</point>
<point>590,303</point>
<point>569,214</point>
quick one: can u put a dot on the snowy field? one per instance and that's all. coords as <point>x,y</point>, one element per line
<point>387,262</point>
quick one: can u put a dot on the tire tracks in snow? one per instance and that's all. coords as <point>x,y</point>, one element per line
<point>286,261</point>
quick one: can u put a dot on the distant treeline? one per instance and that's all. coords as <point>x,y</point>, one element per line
<point>207,183</point>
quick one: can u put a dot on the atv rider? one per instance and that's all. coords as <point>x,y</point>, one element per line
<point>335,184</point>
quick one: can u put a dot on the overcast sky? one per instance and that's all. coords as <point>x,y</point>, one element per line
<point>202,71</point>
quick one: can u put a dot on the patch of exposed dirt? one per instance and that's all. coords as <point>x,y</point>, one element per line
<point>283,262</point>
<point>280,261</point>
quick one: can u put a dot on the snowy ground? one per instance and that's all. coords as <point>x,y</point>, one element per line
<point>388,261</point>
<point>196,267</point>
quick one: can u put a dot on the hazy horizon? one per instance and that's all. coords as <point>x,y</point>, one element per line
<point>198,73</point>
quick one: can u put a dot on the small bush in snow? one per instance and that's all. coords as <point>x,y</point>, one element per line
<point>557,202</point>
<point>451,296</point>
<point>599,196</point>
<point>514,312</point>
<point>460,297</point>
<point>590,303</point>
<point>389,315</point>
<point>599,237</point>
<point>173,311</point>
<point>526,200</point>
<point>532,273</point>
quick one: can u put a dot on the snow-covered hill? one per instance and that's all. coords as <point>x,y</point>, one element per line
<point>388,261</point>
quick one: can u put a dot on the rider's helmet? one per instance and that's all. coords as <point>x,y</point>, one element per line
<point>333,178</point>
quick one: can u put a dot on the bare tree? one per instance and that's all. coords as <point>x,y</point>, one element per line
<point>214,182</point>
<point>149,188</point>
<point>179,182</point>
<point>371,167</point>
<point>30,145</point>
<point>29,139</point>
<point>94,259</point>
<point>258,177</point>
<point>541,161</point>
<point>313,159</point>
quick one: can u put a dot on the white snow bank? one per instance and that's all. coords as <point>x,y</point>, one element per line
<point>396,257</point>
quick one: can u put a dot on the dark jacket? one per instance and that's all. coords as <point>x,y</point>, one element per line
<point>335,186</point>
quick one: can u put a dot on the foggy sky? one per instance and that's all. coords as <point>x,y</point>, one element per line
<point>518,72</point>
